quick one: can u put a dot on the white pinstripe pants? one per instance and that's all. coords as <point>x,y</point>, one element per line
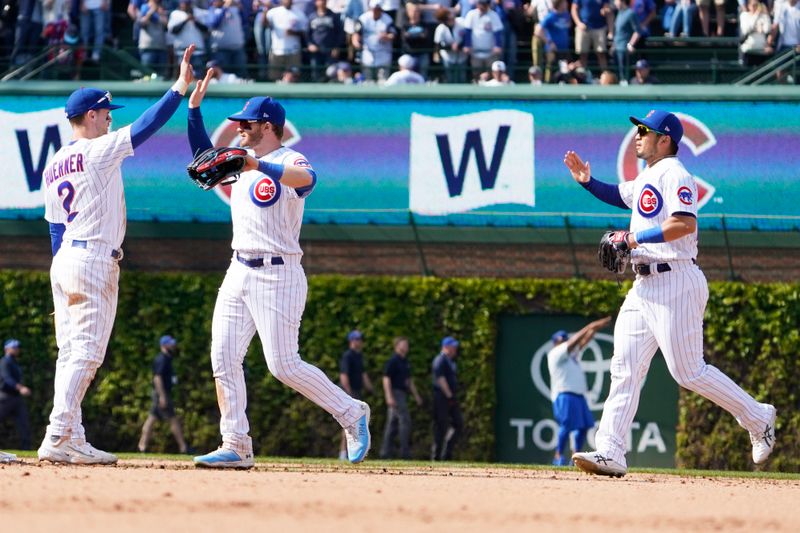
<point>85,286</point>
<point>665,310</point>
<point>268,300</point>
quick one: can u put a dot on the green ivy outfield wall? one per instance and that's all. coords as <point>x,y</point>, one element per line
<point>751,333</point>
<point>440,156</point>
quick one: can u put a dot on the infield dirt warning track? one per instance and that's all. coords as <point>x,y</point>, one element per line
<point>154,496</point>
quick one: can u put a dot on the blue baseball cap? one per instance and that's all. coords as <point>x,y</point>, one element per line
<point>449,341</point>
<point>355,335</point>
<point>11,343</point>
<point>86,98</point>
<point>262,109</point>
<point>168,340</point>
<point>662,122</point>
<point>560,335</point>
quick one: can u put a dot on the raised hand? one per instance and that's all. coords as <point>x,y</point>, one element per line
<point>199,92</point>
<point>187,73</point>
<point>581,172</point>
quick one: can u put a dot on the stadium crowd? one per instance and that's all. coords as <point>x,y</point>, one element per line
<point>355,41</point>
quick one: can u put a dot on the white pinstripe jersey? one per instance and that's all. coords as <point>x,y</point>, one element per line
<point>266,215</point>
<point>83,188</point>
<point>658,192</point>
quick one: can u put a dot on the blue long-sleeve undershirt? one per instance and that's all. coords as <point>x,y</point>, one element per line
<point>198,137</point>
<point>156,116</point>
<point>606,192</point>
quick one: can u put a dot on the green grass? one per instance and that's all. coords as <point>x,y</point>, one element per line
<point>416,465</point>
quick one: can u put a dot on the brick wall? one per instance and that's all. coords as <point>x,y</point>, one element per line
<point>446,260</point>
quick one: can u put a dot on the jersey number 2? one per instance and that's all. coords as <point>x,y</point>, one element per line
<point>68,198</point>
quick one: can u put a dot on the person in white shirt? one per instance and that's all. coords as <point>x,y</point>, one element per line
<point>483,37</point>
<point>374,35</point>
<point>449,41</point>
<point>186,26</point>
<point>288,27</point>
<point>568,387</point>
<point>499,76</point>
<point>406,75</point>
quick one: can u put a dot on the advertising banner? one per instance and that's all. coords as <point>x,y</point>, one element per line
<point>472,162</point>
<point>525,429</point>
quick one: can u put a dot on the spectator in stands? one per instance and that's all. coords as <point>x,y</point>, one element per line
<point>594,23</point>
<point>355,8</point>
<point>537,10</point>
<point>325,38</point>
<point>449,39</point>
<point>290,75</point>
<point>227,35</point>
<point>483,37</point>
<point>645,14</point>
<point>499,75</point>
<point>93,25</point>
<point>340,72</point>
<point>153,37</point>
<point>704,12</point>
<point>417,38</point>
<point>607,77</point>
<point>555,30</point>
<point>28,30</point>
<point>511,15</point>
<point>754,29</point>
<point>626,35</point>
<point>535,75</point>
<point>406,75</point>
<point>665,15</point>
<point>682,18</point>
<point>262,35</point>
<point>643,75</point>
<point>185,25</point>
<point>8,22</point>
<point>220,76</point>
<point>787,24</point>
<point>374,34</point>
<point>288,28</point>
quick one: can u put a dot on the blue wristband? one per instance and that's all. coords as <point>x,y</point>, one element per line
<point>273,170</point>
<point>652,235</point>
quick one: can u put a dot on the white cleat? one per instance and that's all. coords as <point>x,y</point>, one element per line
<point>74,452</point>
<point>598,464</point>
<point>8,458</point>
<point>358,438</point>
<point>764,442</point>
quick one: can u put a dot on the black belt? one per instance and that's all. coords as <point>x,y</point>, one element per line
<point>645,270</point>
<point>115,254</point>
<point>258,262</point>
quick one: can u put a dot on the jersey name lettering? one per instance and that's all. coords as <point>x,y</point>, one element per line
<point>63,167</point>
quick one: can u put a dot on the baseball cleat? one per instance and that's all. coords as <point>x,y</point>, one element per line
<point>358,437</point>
<point>598,464</point>
<point>224,458</point>
<point>764,442</point>
<point>8,458</point>
<point>73,451</point>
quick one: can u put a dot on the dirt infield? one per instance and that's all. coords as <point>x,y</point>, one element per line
<point>144,496</point>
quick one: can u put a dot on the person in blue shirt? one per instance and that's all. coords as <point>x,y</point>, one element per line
<point>448,423</point>
<point>626,35</point>
<point>594,23</point>
<point>554,31</point>
<point>12,390</point>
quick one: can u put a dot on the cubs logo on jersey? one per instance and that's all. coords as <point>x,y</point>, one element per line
<point>650,201</point>
<point>685,195</point>
<point>265,191</point>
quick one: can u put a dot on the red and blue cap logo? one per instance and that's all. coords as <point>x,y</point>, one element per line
<point>650,202</point>
<point>265,191</point>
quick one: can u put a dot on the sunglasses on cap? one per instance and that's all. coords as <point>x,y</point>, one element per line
<point>643,130</point>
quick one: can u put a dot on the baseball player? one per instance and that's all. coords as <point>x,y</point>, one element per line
<point>568,387</point>
<point>664,308</point>
<point>264,290</point>
<point>85,205</point>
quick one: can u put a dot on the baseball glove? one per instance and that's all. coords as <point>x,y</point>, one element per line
<point>217,166</point>
<point>614,251</point>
